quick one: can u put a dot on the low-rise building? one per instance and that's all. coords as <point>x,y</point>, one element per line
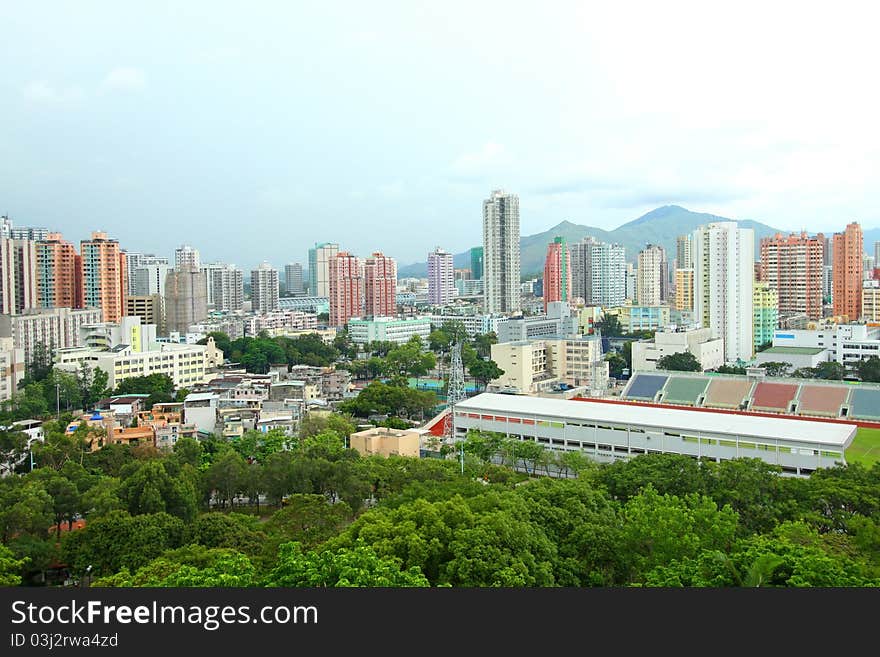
<point>12,368</point>
<point>641,318</point>
<point>184,364</point>
<point>544,365</point>
<point>295,320</point>
<point>474,324</point>
<point>707,350</point>
<point>54,328</point>
<point>385,442</point>
<point>200,409</point>
<point>388,329</point>
<point>557,321</point>
<point>844,343</point>
<point>797,357</point>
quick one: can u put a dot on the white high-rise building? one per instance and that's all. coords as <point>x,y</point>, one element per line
<point>650,275</point>
<point>724,274</point>
<point>501,256</point>
<point>293,279</point>
<point>608,275</point>
<point>186,257</point>
<point>225,286</point>
<point>264,288</point>
<point>319,268</point>
<point>441,277</point>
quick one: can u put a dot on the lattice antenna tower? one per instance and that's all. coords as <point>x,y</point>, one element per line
<point>455,391</point>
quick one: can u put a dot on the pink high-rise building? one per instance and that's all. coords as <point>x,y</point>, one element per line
<point>557,272</point>
<point>346,288</point>
<point>792,265</point>
<point>847,272</point>
<point>104,283</point>
<point>57,273</point>
<point>441,277</point>
<point>380,286</point>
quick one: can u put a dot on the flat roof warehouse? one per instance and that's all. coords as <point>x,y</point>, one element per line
<point>789,429</point>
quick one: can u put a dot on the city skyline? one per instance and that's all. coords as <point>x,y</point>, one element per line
<point>143,141</point>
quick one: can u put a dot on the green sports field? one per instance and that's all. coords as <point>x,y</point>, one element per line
<point>865,449</point>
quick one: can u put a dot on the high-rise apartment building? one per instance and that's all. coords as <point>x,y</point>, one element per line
<point>724,272</point>
<point>57,277</point>
<point>18,276</point>
<point>580,257</point>
<point>346,288</point>
<point>264,288</point>
<point>104,272</point>
<point>792,266</point>
<point>765,309</point>
<point>380,286</point>
<point>609,277</point>
<point>477,263</point>
<point>225,286</point>
<point>319,268</point>
<point>501,256</point>
<point>557,272</point>
<point>441,276</point>
<point>684,290</point>
<point>186,258</point>
<point>847,272</point>
<point>651,275</point>
<point>186,298</point>
<point>683,252</point>
<point>293,279</point>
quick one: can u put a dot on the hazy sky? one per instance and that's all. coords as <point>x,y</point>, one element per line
<point>253,130</point>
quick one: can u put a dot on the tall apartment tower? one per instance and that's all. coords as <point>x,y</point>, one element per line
<point>792,266</point>
<point>57,273</point>
<point>684,290</point>
<point>319,268</point>
<point>651,276</point>
<point>557,272</point>
<point>724,272</point>
<point>225,286</point>
<point>477,263</point>
<point>610,279</point>
<point>186,257</point>
<point>441,276</point>
<point>18,275</point>
<point>104,272</point>
<point>683,252</point>
<point>264,288</point>
<point>501,256</point>
<point>847,272</point>
<point>346,288</point>
<point>380,286</point>
<point>293,279</point>
<point>186,298</point>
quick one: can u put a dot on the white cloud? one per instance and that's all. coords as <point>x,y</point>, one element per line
<point>125,78</point>
<point>490,156</point>
<point>40,92</point>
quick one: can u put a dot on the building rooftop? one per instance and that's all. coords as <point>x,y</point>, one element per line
<point>792,429</point>
<point>794,351</point>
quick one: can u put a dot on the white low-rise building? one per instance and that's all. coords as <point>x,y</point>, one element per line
<point>474,324</point>
<point>844,343</point>
<point>388,329</point>
<point>707,350</point>
<point>610,431</point>
<point>184,364</point>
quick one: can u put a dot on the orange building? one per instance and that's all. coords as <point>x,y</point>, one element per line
<point>557,272</point>
<point>346,288</point>
<point>846,272</point>
<point>56,273</point>
<point>103,276</point>
<point>793,265</point>
<point>380,286</point>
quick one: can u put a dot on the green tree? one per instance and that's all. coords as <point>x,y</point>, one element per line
<point>25,508</point>
<point>484,371</point>
<point>10,567</point>
<point>358,566</point>
<point>226,476</point>
<point>155,486</point>
<point>609,326</point>
<point>868,369</point>
<point>409,359</point>
<point>190,566</point>
<point>227,530</point>
<point>616,364</point>
<point>483,343</point>
<point>680,362</point>
<point>776,368</point>
<point>830,370</point>
<point>307,519</point>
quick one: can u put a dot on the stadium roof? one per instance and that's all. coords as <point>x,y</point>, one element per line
<point>790,429</point>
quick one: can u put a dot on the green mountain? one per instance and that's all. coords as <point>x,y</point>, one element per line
<point>660,226</point>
